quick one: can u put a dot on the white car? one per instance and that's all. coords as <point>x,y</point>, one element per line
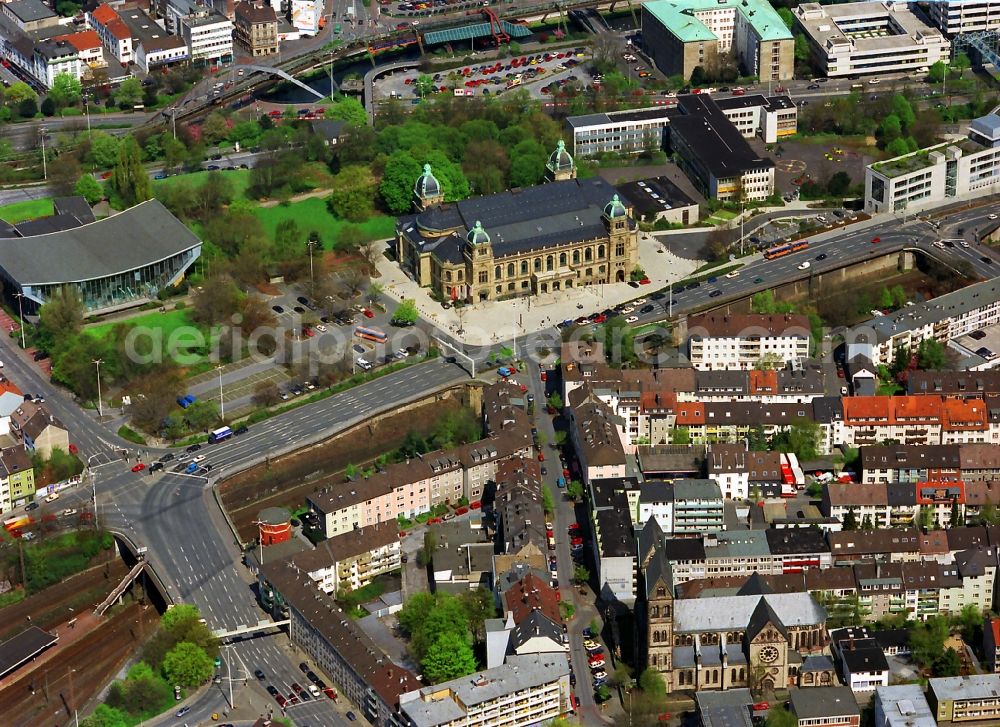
<point>733,274</point>
<point>600,674</point>
<point>632,319</point>
<point>804,266</point>
<point>874,81</point>
<point>69,512</point>
<point>963,243</point>
<point>402,353</point>
<point>596,664</point>
<point>992,217</point>
<point>627,309</point>
<point>640,301</point>
<point>321,328</point>
<point>364,365</point>
<point>199,458</point>
<point>53,497</point>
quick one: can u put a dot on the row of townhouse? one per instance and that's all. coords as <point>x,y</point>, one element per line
<point>902,463</point>
<point>899,504</point>
<point>417,485</point>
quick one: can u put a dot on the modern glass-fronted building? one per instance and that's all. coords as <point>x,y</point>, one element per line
<point>114,263</point>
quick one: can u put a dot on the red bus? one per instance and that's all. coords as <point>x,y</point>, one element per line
<point>370,334</point>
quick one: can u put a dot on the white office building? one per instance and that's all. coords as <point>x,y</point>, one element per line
<point>965,16</point>
<point>870,37</point>
<point>740,341</point>
<point>934,174</point>
<point>209,38</point>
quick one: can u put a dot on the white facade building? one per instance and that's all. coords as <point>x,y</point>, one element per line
<point>964,16</point>
<point>209,39</point>
<point>934,174</point>
<point>718,343</point>
<point>870,37</point>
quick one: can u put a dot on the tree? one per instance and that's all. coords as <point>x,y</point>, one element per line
<point>937,72</point>
<point>839,184</point>
<point>779,716</point>
<point>187,665</point>
<point>90,189</point>
<point>372,252</point>
<point>66,90</point>
<point>988,515</point>
<point>28,108</point>
<point>970,621</point>
<point>948,664</point>
<point>129,93</point>
<point>866,522</point>
<point>61,316</point>
<point>20,91</point>
<point>352,195</point>
<point>574,490</point>
<point>48,106</point>
<point>555,401</point>
<point>850,520</point>
<point>956,520</point>
<point>449,657</point>
<point>105,716</point>
<point>214,129</point>
<point>680,435</point>
<point>927,640</point>
<point>932,356</point>
<point>400,174</point>
<point>216,301</point>
<point>581,574</point>
<point>651,682</point>
<point>622,675</point>
<point>129,178</point>
<point>548,501</point>
<point>479,606</point>
<point>349,109</point>
<point>802,438</point>
<point>897,147</point>
<point>406,313</point>
<point>425,85</point>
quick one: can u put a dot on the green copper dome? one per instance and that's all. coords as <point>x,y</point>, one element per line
<point>615,208</point>
<point>560,160</point>
<point>427,184</point>
<point>477,235</point>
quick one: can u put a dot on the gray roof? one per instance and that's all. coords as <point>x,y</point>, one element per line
<point>663,113</point>
<point>139,236</point>
<point>988,126</point>
<point>519,673</point>
<point>726,716</point>
<point>816,662</point>
<point>904,705</point>
<point>740,544</point>
<point>76,206</point>
<point>697,490</point>
<point>935,310</point>
<point>817,702</point>
<point>29,11</point>
<point>731,613</point>
<point>24,646</point>
<point>714,139</point>
<point>970,687</point>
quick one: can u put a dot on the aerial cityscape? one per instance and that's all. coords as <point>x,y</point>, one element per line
<point>499,363</point>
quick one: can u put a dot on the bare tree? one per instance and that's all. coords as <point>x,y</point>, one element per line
<point>372,251</point>
<point>265,393</point>
<point>352,281</point>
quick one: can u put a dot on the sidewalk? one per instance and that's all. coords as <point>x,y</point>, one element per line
<point>493,321</point>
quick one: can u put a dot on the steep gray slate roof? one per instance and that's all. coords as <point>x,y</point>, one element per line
<point>731,613</point>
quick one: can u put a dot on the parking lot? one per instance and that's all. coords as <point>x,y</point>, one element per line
<point>535,72</point>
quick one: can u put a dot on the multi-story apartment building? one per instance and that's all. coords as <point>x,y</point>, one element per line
<point>38,430</point>
<point>719,422</point>
<point>43,60</point>
<point>352,560</point>
<point>974,698</point>
<point>620,132</point>
<point>154,47</point>
<point>525,690</point>
<point>991,644</point>
<point>360,670</point>
<point>256,28</point>
<point>901,463</point>
<point>17,478</point>
<point>114,34</point>
<point>595,433</point>
<point>959,384</point>
<point>937,173</point>
<point>915,420</point>
<point>724,342</point>
<point>869,502</point>
<point>772,118</point>
<point>894,545</point>
<point>615,550</point>
<point>683,507</point>
<point>739,472</point>
<point>965,16</point>
<point>863,666</point>
<point>681,36</point>
<point>795,550</point>
<point>870,37</point>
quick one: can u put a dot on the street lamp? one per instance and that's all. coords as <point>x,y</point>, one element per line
<point>311,243</point>
<point>222,401</point>
<point>86,110</point>
<point>100,405</point>
<point>20,314</point>
<point>45,171</point>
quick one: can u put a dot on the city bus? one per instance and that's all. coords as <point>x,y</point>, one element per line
<point>370,334</point>
<point>786,249</point>
<point>219,435</point>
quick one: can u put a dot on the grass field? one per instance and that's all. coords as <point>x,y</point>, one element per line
<point>27,210</point>
<point>313,214</point>
<point>239,177</point>
<point>167,322</point>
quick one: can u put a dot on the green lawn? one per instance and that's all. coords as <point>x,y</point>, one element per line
<point>167,322</point>
<point>27,210</point>
<point>239,177</point>
<point>313,214</point>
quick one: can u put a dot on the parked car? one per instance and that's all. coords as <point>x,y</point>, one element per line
<point>138,467</point>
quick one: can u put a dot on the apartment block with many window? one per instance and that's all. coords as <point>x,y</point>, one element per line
<point>725,342</point>
<point>964,16</point>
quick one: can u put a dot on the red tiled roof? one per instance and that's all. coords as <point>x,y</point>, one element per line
<point>8,386</point>
<point>763,382</point>
<point>964,414</point>
<point>995,626</point>
<point>657,400</point>
<point>84,40</point>
<point>103,14</point>
<point>930,492</point>
<point>532,594</point>
<point>892,409</point>
<point>690,413</point>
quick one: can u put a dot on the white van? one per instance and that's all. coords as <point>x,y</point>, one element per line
<point>364,365</point>
<point>314,691</point>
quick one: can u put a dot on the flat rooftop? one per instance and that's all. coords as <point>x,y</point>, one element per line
<point>680,17</point>
<point>654,196</point>
<point>866,26</point>
<point>16,650</point>
<point>937,309</point>
<point>663,113</point>
<point>713,138</point>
